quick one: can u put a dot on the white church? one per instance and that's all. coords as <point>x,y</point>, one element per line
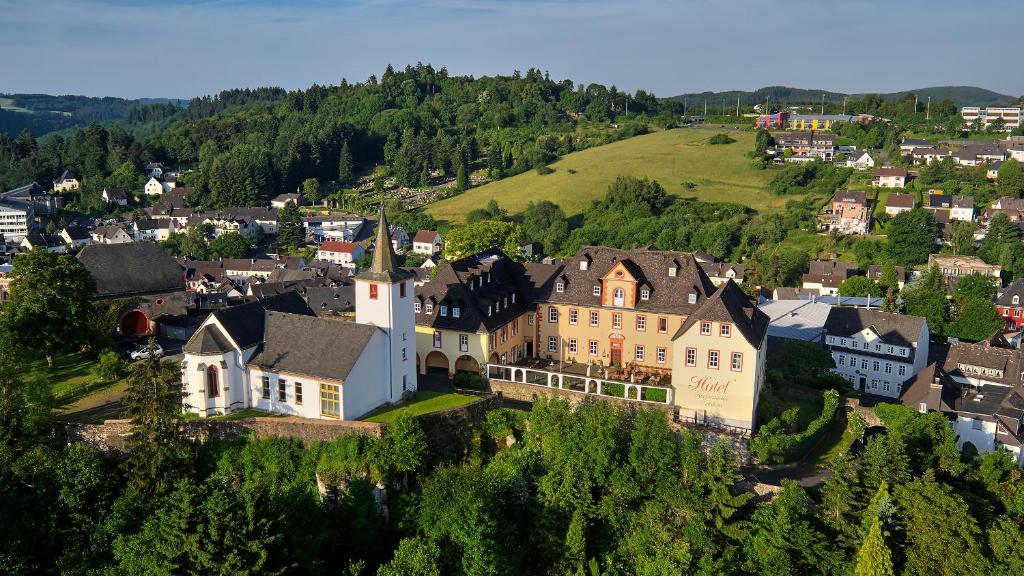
<point>281,359</point>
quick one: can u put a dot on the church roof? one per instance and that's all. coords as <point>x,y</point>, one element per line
<point>384,268</point>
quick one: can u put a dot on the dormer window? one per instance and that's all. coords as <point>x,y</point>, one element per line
<point>456,311</point>
<point>430,308</point>
<point>513,297</point>
<point>597,290</point>
<point>672,271</point>
<point>559,287</point>
<point>444,310</point>
<point>490,310</point>
<point>583,264</point>
<point>691,298</point>
<point>504,302</point>
<point>417,307</point>
<point>1016,300</point>
<point>645,294</point>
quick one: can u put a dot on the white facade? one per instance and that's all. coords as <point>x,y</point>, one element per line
<point>15,220</point>
<point>154,187</point>
<point>343,258</point>
<point>389,307</point>
<point>427,248</point>
<point>874,366</point>
<point>1010,116</point>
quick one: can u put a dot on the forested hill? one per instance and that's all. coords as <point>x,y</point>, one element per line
<point>959,95</point>
<point>43,113</point>
<point>245,146</point>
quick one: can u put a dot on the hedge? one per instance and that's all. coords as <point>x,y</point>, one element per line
<point>773,446</point>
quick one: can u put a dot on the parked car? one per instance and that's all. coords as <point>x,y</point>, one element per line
<point>142,352</point>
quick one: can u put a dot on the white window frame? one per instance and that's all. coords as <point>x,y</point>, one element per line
<point>552,344</point>
<point>560,287</point>
<point>639,352</point>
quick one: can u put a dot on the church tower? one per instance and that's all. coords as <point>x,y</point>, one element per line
<point>384,297</point>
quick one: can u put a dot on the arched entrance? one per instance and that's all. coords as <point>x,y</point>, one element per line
<point>134,323</point>
<point>493,359</point>
<point>437,363</point>
<point>467,364</point>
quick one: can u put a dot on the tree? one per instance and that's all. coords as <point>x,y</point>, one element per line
<point>311,191</point>
<point>927,298</point>
<point>461,177</point>
<point>492,211</point>
<point>483,235</point>
<point>975,319</point>
<point>1001,231</point>
<point>891,303</point>
<point>290,231</point>
<point>942,536</point>
<point>230,245</point>
<point>545,222</point>
<point>1010,181</point>
<point>839,494</point>
<point>414,557</point>
<point>346,166</point>
<point>860,286</point>
<point>962,239</point>
<point>874,557</point>
<point>783,539</point>
<point>50,308</point>
<point>889,277</point>
<point>911,237</point>
<point>159,454</point>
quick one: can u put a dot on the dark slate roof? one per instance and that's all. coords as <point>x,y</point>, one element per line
<point>984,355</point>
<point>788,293</point>
<point>1016,288</point>
<point>327,300</point>
<point>875,272</point>
<point>923,388</point>
<point>311,346</point>
<point>288,302</point>
<point>915,142</point>
<point>650,268</point>
<point>115,193</point>
<point>208,341</point>
<point>132,268</point>
<point>480,283</point>
<point>730,304</point>
<point>896,329</point>
<point>243,323</point>
<point>77,233</point>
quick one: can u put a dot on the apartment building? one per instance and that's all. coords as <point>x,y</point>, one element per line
<point>877,351</point>
<point>847,213</point>
<point>974,114</point>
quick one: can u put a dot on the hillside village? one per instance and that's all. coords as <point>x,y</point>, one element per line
<point>891,283</point>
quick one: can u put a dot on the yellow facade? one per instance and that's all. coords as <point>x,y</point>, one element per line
<point>469,351</point>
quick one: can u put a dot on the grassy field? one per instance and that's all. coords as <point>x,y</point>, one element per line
<point>675,158</point>
<point>71,377</point>
<point>423,402</point>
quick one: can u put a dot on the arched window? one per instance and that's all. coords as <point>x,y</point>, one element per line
<point>1016,299</point>
<point>212,382</point>
<point>618,297</point>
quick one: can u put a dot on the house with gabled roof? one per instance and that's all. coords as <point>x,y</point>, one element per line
<point>426,242</point>
<point>877,351</point>
<point>890,177</point>
<point>66,182</point>
<point>115,196</point>
<point>897,203</point>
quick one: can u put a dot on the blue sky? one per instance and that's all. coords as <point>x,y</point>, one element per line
<point>182,48</point>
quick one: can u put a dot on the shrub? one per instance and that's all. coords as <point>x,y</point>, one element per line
<point>773,445</point>
<point>655,394</point>
<point>544,170</point>
<point>110,367</point>
<point>616,390</point>
<point>721,139</point>
<point>469,381</point>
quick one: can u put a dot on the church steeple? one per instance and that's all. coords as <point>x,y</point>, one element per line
<point>384,267</point>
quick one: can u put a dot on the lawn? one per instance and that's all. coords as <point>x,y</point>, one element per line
<point>423,402</point>
<point>71,377</point>
<point>675,158</point>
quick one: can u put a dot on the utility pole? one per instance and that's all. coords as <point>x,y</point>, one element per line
<point>915,103</point>
<point>844,105</point>
<point>928,110</point>
<point>823,103</point>
<point>737,106</point>
<point>705,108</point>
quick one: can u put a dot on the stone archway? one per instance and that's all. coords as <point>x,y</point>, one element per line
<point>436,363</point>
<point>134,323</point>
<point>466,363</point>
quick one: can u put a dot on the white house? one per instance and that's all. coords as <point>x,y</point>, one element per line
<point>154,187</point>
<point>150,229</point>
<point>897,203</point>
<point>115,196</point>
<point>399,238</point>
<point>889,177</point>
<point>426,242</point>
<point>962,208</point>
<point>253,356</point>
<point>344,254</point>
<point>345,228</point>
<point>76,237</point>
<point>878,352</point>
<point>860,160</point>
<point>110,235</point>
<point>16,218</point>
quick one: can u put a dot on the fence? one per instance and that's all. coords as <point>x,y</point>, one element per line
<point>582,384</point>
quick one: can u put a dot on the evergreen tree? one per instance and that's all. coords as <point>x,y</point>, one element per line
<point>290,231</point>
<point>891,303</point>
<point>889,278</point>
<point>461,178</point>
<point>839,494</point>
<point>874,557</point>
<point>927,298</point>
<point>346,165</point>
<point>911,237</point>
<point>1001,231</point>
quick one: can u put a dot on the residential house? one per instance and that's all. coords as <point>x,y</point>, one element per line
<point>281,200</point>
<point>878,352</point>
<point>847,213</point>
<point>155,170</point>
<point>956,207</point>
<point>955,266</point>
<point>17,217</point>
<point>897,203</point>
<point>1009,115</point>
<point>115,196</point>
<point>52,243</point>
<point>860,160</point>
<point>809,144</point>
<point>66,182</point>
<point>826,276</point>
<point>721,272</point>
<point>796,319</point>
<point>345,254</point>
<point>889,177</point>
<point>929,154</point>
<point>157,230</point>
<point>992,169</point>
<point>875,272</point>
<point>426,242</point>
<point>240,220</point>
<point>399,239</point>
<point>1010,304</point>
<point>110,234</point>
<point>153,187</point>
<point>908,145</point>
<point>76,237</point>
<point>341,228</point>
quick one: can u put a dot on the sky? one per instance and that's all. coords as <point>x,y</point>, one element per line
<point>185,48</point>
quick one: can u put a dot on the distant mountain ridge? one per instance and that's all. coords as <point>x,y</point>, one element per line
<point>959,95</point>
<point>42,113</point>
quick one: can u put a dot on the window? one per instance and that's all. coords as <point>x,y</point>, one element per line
<point>645,294</point>
<point>463,342</point>
<point>456,311</point>
<point>373,291</point>
<point>417,307</point>
<point>853,344</point>
<point>691,356</point>
<point>885,385</point>
<point>401,289</point>
<point>529,318</point>
<point>705,328</point>
<point>266,388</point>
<point>552,314</point>
<point>661,355</point>
<point>552,344</point>
<point>573,346</point>
<point>597,290</point>
<point>639,353</point>
<point>617,320</point>
<point>437,339</point>
<point>593,347</point>
<point>405,355</point>
<point>1016,300</point>
<point>863,364</point>
<point>902,371</point>
<point>736,364</point>
<point>641,323</point>
<point>515,326</point>
<point>330,401</point>
<point>888,367</point>
<point>662,325</point>
<point>281,394</point>
<point>593,317</point>
<point>878,347</point>
<point>841,360</point>
<point>875,366</point>
<point>890,350</point>
<point>725,330</point>
<point>691,298</point>
<point>212,382</point>
<point>559,287</point>
<point>444,310</point>
<point>618,297</point>
<point>842,342</point>
<point>713,359</point>
<point>298,393</point>
<point>573,316</point>
<point>430,308</point>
